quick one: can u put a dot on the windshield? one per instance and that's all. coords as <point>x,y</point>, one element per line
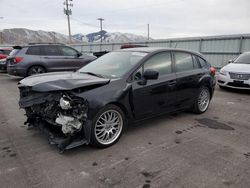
<point>113,64</point>
<point>243,59</point>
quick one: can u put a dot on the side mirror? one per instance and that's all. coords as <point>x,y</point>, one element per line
<point>79,54</point>
<point>150,74</point>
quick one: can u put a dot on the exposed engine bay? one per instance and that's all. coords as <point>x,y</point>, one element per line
<point>61,113</point>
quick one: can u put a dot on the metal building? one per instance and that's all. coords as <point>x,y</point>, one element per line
<point>217,49</point>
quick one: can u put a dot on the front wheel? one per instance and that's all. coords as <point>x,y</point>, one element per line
<point>202,100</point>
<point>107,126</point>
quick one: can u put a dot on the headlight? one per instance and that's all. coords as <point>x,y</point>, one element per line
<point>65,103</point>
<point>223,72</point>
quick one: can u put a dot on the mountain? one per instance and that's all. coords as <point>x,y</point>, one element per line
<point>21,36</point>
<point>109,37</point>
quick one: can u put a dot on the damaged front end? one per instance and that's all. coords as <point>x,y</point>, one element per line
<point>60,114</point>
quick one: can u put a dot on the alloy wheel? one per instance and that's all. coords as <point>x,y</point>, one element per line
<point>108,127</point>
<point>203,100</point>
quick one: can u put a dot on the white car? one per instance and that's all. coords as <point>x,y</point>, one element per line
<point>236,74</point>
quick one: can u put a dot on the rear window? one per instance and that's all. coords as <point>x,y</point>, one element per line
<point>51,50</point>
<point>33,50</point>
<point>183,62</point>
<point>5,52</point>
<point>14,52</point>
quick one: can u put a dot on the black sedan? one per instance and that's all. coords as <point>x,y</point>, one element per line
<point>94,104</point>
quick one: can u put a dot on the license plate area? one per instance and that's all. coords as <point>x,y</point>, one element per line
<point>238,81</point>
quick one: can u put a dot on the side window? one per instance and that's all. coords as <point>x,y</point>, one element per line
<point>183,62</point>
<point>66,51</point>
<point>33,50</point>
<point>138,74</point>
<point>51,51</point>
<point>203,63</point>
<point>160,62</point>
<point>196,63</point>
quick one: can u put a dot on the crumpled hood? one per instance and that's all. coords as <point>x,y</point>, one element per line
<point>237,68</point>
<point>61,81</point>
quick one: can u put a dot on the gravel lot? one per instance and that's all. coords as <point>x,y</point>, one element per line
<point>182,150</point>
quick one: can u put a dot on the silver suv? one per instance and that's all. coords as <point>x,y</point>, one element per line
<point>40,58</point>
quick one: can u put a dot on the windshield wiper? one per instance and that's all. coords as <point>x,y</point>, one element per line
<point>93,74</point>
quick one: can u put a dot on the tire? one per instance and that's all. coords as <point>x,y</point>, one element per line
<point>36,70</point>
<point>104,133</point>
<point>202,100</point>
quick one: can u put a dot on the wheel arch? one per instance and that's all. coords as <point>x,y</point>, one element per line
<point>35,65</point>
<point>121,106</point>
<point>207,82</point>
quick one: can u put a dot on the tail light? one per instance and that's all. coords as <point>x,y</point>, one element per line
<point>213,70</point>
<point>18,60</point>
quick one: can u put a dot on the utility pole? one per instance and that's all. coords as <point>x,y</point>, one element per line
<point>1,37</point>
<point>1,33</point>
<point>148,31</point>
<point>68,12</point>
<point>101,20</point>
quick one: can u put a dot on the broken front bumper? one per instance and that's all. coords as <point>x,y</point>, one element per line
<point>61,115</point>
<point>56,137</point>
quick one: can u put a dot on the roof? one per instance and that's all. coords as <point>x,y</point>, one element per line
<point>38,44</point>
<point>7,48</point>
<point>155,49</point>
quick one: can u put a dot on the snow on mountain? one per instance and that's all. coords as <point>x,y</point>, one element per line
<point>21,36</point>
<point>109,37</point>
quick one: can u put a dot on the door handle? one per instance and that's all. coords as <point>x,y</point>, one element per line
<point>171,82</point>
<point>199,75</point>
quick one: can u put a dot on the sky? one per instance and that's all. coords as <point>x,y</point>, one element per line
<point>166,18</point>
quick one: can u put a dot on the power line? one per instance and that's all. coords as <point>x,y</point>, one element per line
<point>85,23</point>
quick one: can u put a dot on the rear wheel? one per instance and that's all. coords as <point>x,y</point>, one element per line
<point>202,100</point>
<point>36,70</point>
<point>107,126</point>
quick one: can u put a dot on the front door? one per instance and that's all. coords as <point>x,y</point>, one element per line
<point>155,96</point>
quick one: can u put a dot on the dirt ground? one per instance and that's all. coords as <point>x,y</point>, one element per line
<point>182,150</point>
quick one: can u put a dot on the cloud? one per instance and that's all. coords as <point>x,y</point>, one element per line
<point>167,18</point>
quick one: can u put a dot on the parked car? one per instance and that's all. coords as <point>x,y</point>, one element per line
<point>40,58</point>
<point>3,65</point>
<point>101,53</point>
<point>236,74</point>
<point>4,52</point>
<point>94,104</point>
<point>124,46</point>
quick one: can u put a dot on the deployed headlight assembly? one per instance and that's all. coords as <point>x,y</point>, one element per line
<point>65,103</point>
<point>223,72</point>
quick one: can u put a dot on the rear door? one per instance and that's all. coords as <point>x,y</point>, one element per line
<point>157,95</point>
<point>52,57</point>
<point>188,74</point>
